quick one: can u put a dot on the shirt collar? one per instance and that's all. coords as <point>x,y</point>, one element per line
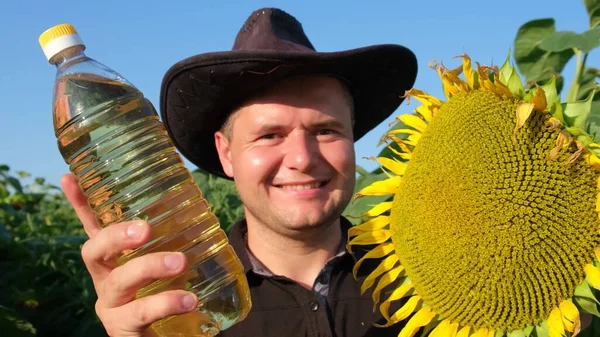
<point>237,239</point>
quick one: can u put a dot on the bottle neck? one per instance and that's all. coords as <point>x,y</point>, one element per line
<point>68,55</point>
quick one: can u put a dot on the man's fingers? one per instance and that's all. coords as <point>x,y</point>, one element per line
<point>80,205</point>
<point>136,316</point>
<point>99,253</point>
<point>123,282</point>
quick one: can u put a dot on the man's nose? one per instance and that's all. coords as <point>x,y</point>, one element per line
<point>301,152</point>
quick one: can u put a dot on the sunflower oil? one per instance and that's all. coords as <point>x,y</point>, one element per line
<point>110,136</point>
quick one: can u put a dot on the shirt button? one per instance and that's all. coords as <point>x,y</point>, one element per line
<point>314,305</point>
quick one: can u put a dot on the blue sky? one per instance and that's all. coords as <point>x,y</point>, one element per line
<point>142,39</point>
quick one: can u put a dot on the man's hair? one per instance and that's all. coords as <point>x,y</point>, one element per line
<point>227,127</point>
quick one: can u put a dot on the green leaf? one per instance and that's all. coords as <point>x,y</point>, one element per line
<point>587,82</point>
<point>565,40</point>
<point>559,41</point>
<point>4,168</point>
<point>594,124</point>
<point>517,333</point>
<point>584,290</point>
<point>15,184</point>
<point>589,40</point>
<point>576,113</point>
<point>552,98</point>
<point>357,207</point>
<point>593,9</point>
<point>510,77</point>
<point>521,333</point>
<point>542,330</point>
<point>499,333</point>
<point>536,64</point>
<point>586,305</point>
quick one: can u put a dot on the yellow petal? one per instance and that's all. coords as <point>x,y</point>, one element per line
<point>406,310</point>
<point>399,142</point>
<point>383,187</point>
<point>396,294</point>
<point>464,332</point>
<point>412,140</point>
<point>444,329</point>
<point>524,110</point>
<point>421,318</point>
<point>378,252</point>
<point>414,122</point>
<point>539,100</point>
<point>404,131</point>
<point>469,72</point>
<point>555,324</point>
<point>593,161</point>
<point>570,316</point>
<point>563,140</point>
<point>426,112</point>
<point>378,209</point>
<point>598,202</point>
<point>384,281</point>
<point>393,165</point>
<point>371,238</point>
<point>403,155</point>
<point>387,264</point>
<point>593,275</point>
<point>482,332</point>
<point>375,224</point>
<point>421,96</point>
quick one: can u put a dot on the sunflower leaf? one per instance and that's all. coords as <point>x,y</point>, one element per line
<point>559,41</point>
<point>499,333</point>
<point>542,329</point>
<point>586,305</point>
<point>510,77</point>
<point>584,290</point>
<point>593,9</point>
<point>517,333</point>
<point>538,65</point>
<point>565,40</point>
<point>528,330</point>
<point>589,40</point>
<point>576,113</point>
<point>552,99</point>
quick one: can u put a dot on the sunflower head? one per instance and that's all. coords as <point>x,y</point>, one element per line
<point>492,225</point>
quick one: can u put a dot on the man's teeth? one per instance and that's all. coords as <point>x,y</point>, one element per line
<point>302,187</point>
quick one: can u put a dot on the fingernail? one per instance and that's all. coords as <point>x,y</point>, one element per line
<point>172,261</point>
<point>135,231</point>
<point>188,302</point>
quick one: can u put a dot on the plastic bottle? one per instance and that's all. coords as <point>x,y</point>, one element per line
<point>111,137</point>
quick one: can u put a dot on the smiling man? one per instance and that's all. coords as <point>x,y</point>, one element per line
<point>280,119</point>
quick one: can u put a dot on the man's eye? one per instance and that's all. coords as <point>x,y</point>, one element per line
<point>325,132</point>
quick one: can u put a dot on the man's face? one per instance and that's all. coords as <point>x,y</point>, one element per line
<point>291,154</point>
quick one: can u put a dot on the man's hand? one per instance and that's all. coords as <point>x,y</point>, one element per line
<point>120,313</point>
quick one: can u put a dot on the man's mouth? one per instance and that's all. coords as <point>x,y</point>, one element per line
<point>302,186</point>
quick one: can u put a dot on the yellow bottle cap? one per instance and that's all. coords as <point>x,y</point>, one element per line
<point>58,38</point>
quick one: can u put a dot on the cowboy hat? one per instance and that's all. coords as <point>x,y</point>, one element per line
<point>199,92</point>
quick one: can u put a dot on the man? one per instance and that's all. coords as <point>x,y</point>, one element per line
<point>280,120</point>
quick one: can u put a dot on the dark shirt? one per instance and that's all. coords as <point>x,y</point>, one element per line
<point>333,307</point>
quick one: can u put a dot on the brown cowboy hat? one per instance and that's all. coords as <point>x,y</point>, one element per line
<point>199,92</point>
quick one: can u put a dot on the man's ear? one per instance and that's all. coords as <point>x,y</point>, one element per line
<point>223,149</point>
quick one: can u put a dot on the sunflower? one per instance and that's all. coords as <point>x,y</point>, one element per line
<point>491,224</point>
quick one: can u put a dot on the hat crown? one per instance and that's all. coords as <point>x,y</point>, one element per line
<point>272,29</point>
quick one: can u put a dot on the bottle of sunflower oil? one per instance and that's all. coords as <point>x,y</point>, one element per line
<point>110,136</point>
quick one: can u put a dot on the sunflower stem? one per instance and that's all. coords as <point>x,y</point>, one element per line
<point>580,65</point>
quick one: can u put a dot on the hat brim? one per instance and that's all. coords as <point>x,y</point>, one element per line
<point>198,93</point>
